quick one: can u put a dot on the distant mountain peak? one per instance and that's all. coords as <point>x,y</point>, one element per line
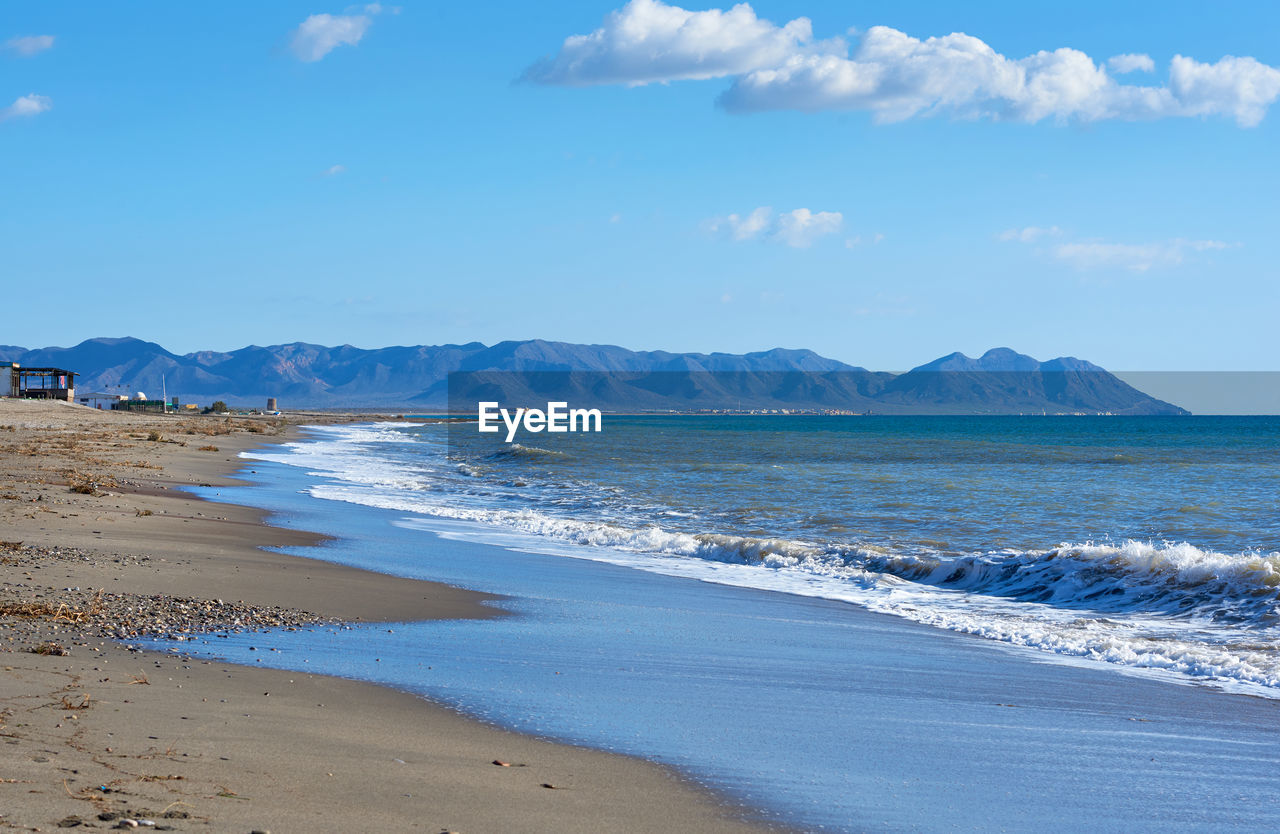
<point>1003,360</point>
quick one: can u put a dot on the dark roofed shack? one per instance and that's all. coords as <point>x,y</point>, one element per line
<point>42,383</point>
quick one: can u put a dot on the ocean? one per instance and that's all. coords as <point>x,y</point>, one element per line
<point>844,623</point>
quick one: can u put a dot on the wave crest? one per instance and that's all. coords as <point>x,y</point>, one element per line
<point>522,452</point>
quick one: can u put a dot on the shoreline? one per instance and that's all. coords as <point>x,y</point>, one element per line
<point>94,499</point>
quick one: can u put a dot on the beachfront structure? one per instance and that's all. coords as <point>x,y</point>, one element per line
<point>42,383</point>
<point>140,403</point>
<point>97,399</point>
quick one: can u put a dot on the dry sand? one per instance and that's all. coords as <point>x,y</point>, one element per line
<point>105,733</point>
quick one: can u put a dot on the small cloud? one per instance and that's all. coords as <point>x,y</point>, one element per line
<point>1131,62</point>
<point>798,228</point>
<point>320,34</point>
<point>31,105</point>
<point>754,225</point>
<point>28,45</point>
<point>726,298</point>
<point>857,240</point>
<point>615,218</point>
<point>1135,257</point>
<point>745,228</point>
<point>334,170</point>
<point>648,41</point>
<point>1101,254</point>
<point>1029,235</point>
<point>801,228</point>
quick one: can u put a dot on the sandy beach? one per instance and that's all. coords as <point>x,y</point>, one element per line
<point>100,544</point>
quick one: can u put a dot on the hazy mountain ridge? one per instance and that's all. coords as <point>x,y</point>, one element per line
<point>307,375</point>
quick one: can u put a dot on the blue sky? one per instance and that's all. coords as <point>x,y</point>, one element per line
<point>210,177</point>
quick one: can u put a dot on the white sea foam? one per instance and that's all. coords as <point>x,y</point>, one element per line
<point>1172,609</point>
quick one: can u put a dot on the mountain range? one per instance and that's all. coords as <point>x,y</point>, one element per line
<point>314,376</point>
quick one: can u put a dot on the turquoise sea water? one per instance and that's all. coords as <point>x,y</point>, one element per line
<point>838,620</point>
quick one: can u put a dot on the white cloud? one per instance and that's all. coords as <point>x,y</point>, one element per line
<point>1133,257</point>
<point>28,45</point>
<point>320,34</point>
<point>31,105</point>
<point>334,170</point>
<point>801,228</point>
<point>896,77</point>
<point>798,228</point>
<point>744,228</point>
<point>647,41</point>
<point>893,75</point>
<point>1099,254</point>
<point>1131,62</point>
<point>1030,234</point>
<point>1240,87</point>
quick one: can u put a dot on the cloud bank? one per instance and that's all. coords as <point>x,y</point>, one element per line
<point>799,228</point>
<point>893,75</point>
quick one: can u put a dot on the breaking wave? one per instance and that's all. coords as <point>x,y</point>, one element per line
<point>1172,607</point>
<point>518,450</point>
